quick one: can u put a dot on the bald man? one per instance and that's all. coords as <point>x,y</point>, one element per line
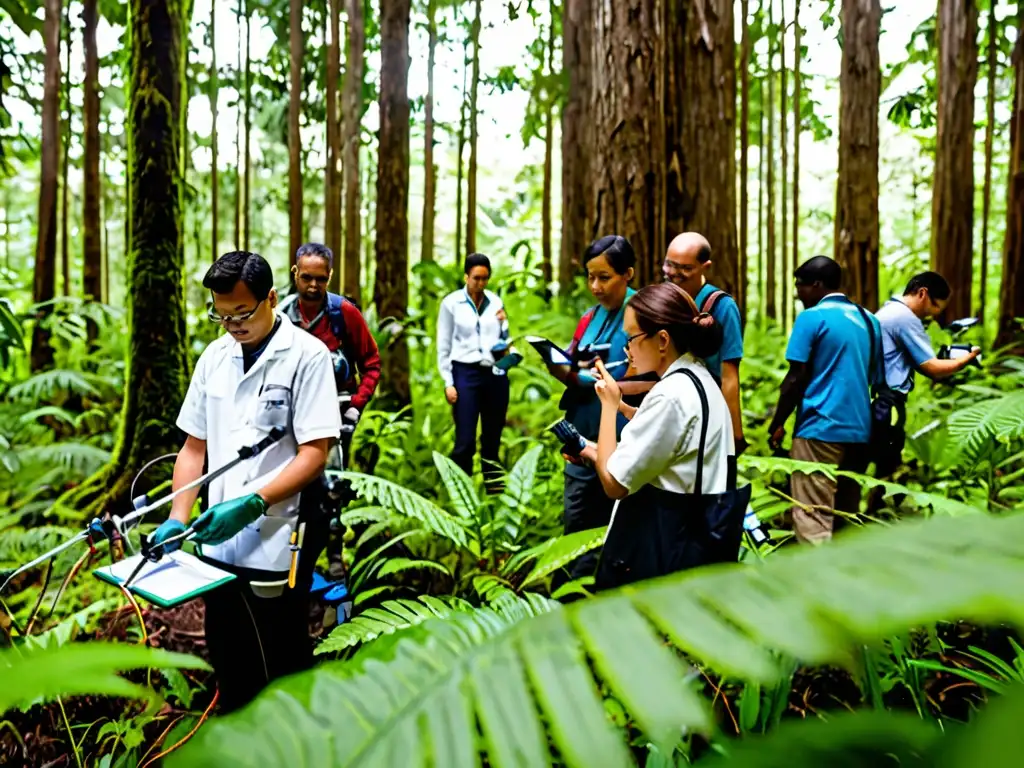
<point>687,259</point>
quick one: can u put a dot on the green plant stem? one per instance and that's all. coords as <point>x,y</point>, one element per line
<point>17,736</point>
<point>71,736</point>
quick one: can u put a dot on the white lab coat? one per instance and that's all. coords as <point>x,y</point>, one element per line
<point>291,385</point>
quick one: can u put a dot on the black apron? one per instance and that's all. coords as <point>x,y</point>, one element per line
<point>656,532</point>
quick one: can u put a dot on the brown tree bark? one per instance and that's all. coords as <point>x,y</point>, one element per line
<point>700,127</point>
<point>92,220</point>
<point>576,139</point>
<point>44,283</point>
<point>352,282</point>
<point>628,123</point>
<point>990,127</point>
<point>214,94</point>
<point>65,214</point>
<point>760,200</point>
<point>1011,291</point>
<point>953,185</point>
<point>296,45</point>
<point>856,219</point>
<point>459,151</point>
<point>783,179</point>
<point>549,139</point>
<point>770,308</point>
<point>429,171</point>
<point>797,56</point>
<point>239,84</point>
<point>391,284</point>
<point>332,180</point>
<point>744,152</point>
<point>247,200</point>
<point>474,89</point>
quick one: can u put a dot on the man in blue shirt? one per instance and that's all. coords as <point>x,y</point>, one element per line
<point>906,349</point>
<point>834,356</point>
<point>687,259</point>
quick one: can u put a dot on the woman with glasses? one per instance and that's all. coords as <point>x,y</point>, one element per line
<point>263,377</point>
<point>473,356</point>
<point>609,263</point>
<point>672,468</point>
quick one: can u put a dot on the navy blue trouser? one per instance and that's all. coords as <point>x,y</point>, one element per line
<point>483,398</point>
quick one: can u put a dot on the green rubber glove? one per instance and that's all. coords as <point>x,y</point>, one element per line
<point>222,521</point>
<point>168,528</point>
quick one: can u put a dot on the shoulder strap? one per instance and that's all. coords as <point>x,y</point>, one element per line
<point>698,485</point>
<point>336,316</point>
<point>712,300</point>
<point>871,340</point>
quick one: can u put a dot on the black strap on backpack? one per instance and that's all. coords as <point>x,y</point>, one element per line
<point>871,340</point>
<point>712,300</point>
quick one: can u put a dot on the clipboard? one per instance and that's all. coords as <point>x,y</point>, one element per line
<point>172,580</point>
<point>550,352</point>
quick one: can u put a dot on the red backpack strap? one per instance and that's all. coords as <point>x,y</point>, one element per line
<point>712,300</point>
<point>581,328</point>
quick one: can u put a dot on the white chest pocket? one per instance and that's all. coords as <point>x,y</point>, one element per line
<point>273,408</point>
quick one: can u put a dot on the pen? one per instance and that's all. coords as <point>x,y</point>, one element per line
<point>613,365</point>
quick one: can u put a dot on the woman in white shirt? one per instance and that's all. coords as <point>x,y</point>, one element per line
<point>673,470</point>
<point>473,356</point>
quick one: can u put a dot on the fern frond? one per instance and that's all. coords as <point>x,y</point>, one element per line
<point>68,455</point>
<point>535,682</point>
<point>459,486</point>
<point>390,617</point>
<point>999,420</point>
<point>520,480</point>
<point>407,503</point>
<point>560,551</point>
<point>46,385</point>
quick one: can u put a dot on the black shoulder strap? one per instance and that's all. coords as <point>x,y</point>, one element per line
<point>712,300</point>
<point>698,485</point>
<point>871,340</point>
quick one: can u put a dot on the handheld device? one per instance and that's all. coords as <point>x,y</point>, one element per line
<point>572,441</point>
<point>956,351</point>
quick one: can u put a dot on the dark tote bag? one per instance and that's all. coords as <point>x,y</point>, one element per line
<point>656,532</point>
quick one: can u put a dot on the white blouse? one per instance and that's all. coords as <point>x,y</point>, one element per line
<point>659,445</point>
<point>465,335</point>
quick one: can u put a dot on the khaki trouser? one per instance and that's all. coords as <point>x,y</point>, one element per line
<point>821,493</point>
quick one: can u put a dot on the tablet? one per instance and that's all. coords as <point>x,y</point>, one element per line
<point>550,352</point>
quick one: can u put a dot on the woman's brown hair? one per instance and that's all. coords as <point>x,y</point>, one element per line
<point>666,306</point>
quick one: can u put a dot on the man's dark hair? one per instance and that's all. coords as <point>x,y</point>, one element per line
<point>616,249</point>
<point>936,284</point>
<point>477,260</point>
<point>315,249</point>
<point>820,269</point>
<point>704,254</point>
<point>250,268</point>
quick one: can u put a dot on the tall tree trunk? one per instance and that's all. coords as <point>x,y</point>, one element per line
<point>429,172</point>
<point>238,134</point>
<point>459,152</point>
<point>391,286</point>
<point>296,44</point>
<point>761,291</point>
<point>953,186</point>
<point>65,214</point>
<point>628,93</point>
<point>700,127</point>
<point>744,152</point>
<point>1011,291</point>
<point>247,199</point>
<point>92,220</point>
<point>474,88</point>
<point>576,140</point>
<point>107,208</point>
<point>332,182</point>
<point>44,284</point>
<point>771,311</point>
<point>549,139</point>
<point>990,127</point>
<point>157,365</point>
<point>783,177</point>
<point>797,56</point>
<point>353,127</point>
<point>214,94</point>
<point>856,219</point>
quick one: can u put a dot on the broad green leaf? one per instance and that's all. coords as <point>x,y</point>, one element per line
<point>459,486</point>
<point>563,550</point>
<point>81,668</point>
<point>816,604</point>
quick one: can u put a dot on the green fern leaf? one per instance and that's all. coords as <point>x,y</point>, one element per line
<point>407,503</point>
<point>998,420</point>
<point>390,617</point>
<point>69,455</point>
<point>460,488</point>
<point>537,679</point>
<point>561,551</point>
<point>521,479</point>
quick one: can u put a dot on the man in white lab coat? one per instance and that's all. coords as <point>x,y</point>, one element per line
<point>261,375</point>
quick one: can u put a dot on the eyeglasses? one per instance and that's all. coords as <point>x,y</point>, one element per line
<point>218,318</point>
<point>630,339</point>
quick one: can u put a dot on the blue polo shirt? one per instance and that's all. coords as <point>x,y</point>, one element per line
<point>832,338</point>
<point>727,315</point>
<point>905,343</point>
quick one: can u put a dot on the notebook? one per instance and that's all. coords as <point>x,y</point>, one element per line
<point>174,579</point>
<point>549,351</point>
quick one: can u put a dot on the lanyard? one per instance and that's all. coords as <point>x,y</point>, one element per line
<point>607,321</point>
